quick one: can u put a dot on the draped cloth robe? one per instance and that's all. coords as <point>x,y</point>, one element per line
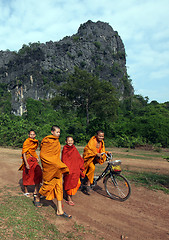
<point>75,163</point>
<point>90,157</point>
<point>33,175</point>
<point>53,168</point>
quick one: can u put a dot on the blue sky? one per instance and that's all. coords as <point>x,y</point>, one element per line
<point>143,26</point>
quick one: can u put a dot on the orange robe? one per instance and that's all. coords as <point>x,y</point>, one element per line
<point>33,175</point>
<point>53,168</point>
<point>72,158</point>
<point>90,158</point>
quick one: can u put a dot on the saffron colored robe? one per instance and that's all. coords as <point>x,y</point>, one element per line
<point>75,163</point>
<point>90,158</point>
<point>33,175</point>
<point>53,168</point>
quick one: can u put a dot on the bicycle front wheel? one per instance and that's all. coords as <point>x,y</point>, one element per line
<point>117,187</point>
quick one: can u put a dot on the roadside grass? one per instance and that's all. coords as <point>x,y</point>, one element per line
<point>154,155</point>
<point>19,219</point>
<point>132,153</point>
<point>151,180</point>
<point>128,156</point>
<point>166,158</point>
<point>154,181</point>
<point>138,155</point>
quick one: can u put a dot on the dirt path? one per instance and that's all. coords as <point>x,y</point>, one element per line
<point>143,216</point>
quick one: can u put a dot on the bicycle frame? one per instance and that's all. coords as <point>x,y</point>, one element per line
<point>108,169</point>
<point>116,185</point>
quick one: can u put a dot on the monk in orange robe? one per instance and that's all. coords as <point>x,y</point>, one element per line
<point>53,168</point>
<point>92,155</point>
<point>32,173</point>
<point>72,158</point>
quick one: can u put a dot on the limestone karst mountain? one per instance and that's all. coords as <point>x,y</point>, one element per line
<point>37,68</point>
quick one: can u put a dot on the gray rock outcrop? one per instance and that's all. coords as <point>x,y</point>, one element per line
<point>36,69</point>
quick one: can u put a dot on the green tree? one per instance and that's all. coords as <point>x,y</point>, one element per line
<point>146,122</point>
<point>87,95</point>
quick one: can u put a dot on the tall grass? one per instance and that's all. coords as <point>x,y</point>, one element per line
<point>151,180</point>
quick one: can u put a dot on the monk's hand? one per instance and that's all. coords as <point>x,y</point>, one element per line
<point>99,155</point>
<point>37,160</point>
<point>110,155</point>
<point>27,166</point>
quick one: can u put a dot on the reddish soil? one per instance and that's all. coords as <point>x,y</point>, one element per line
<point>143,216</point>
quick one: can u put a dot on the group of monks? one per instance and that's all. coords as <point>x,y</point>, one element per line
<point>70,168</point>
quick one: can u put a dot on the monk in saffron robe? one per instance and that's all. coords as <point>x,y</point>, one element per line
<point>92,155</point>
<point>32,173</point>
<point>72,158</point>
<point>53,168</point>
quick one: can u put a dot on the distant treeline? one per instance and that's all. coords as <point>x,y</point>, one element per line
<point>84,105</point>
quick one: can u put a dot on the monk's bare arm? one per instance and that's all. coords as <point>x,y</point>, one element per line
<point>25,161</point>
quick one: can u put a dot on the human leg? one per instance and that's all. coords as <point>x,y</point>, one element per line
<point>53,190</point>
<point>69,200</point>
<point>59,198</point>
<point>36,190</point>
<point>25,180</point>
<point>25,189</point>
<point>60,211</point>
<point>59,207</point>
<point>36,195</point>
<point>90,173</point>
<point>90,177</point>
<point>69,197</point>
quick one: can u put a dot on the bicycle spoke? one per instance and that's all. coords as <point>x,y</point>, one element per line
<point>117,187</point>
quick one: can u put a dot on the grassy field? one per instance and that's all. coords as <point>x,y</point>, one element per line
<point>14,224</point>
<point>29,224</point>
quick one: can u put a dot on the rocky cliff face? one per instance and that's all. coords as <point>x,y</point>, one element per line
<point>35,70</point>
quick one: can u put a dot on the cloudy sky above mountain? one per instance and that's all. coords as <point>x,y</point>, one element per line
<point>142,25</point>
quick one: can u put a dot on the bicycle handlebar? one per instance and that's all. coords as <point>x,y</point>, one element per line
<point>108,156</point>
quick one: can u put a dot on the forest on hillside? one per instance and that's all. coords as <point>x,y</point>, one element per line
<point>83,105</point>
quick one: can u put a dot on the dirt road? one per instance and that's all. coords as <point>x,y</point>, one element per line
<point>145,215</point>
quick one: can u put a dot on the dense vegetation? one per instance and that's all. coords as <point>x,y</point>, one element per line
<point>83,105</point>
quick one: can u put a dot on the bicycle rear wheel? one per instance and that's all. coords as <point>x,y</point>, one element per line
<point>117,187</point>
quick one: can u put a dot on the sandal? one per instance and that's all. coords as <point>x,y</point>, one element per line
<point>36,203</point>
<point>64,215</point>
<point>27,194</point>
<point>36,194</point>
<point>71,203</point>
<point>86,190</point>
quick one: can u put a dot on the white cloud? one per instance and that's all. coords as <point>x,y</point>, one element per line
<point>142,25</point>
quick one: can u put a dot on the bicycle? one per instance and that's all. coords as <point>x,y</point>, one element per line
<point>116,185</point>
